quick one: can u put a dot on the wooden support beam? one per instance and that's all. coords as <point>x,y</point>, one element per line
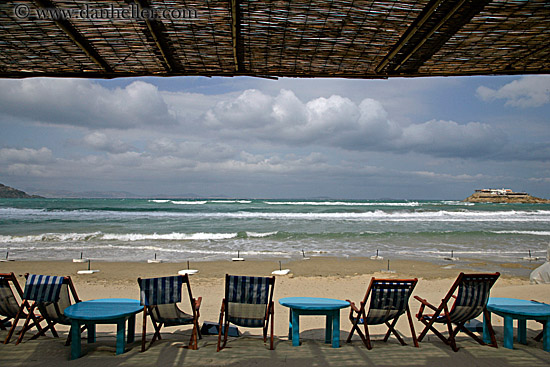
<point>238,50</point>
<point>430,33</point>
<point>154,29</point>
<point>81,41</point>
<point>409,33</point>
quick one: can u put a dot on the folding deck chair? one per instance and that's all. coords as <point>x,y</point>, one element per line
<point>50,296</point>
<point>389,299</point>
<point>9,305</point>
<point>159,297</point>
<point>248,302</point>
<point>470,302</point>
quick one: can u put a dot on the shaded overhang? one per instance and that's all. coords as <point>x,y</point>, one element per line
<point>298,38</point>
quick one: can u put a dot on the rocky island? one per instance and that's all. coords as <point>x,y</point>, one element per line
<point>503,196</point>
<point>7,192</point>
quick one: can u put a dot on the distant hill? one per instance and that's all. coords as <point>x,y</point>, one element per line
<point>7,192</point>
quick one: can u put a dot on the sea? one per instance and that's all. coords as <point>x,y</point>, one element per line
<point>178,230</point>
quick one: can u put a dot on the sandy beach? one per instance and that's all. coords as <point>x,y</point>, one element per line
<point>340,278</point>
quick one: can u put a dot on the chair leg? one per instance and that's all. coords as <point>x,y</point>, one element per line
<point>220,323</point>
<point>272,324</point>
<point>26,324</point>
<point>452,340</point>
<point>354,327</point>
<point>366,341</point>
<point>487,316</point>
<point>144,329</point>
<point>428,326</point>
<point>391,329</point>
<point>20,313</point>
<point>193,342</point>
<point>413,333</point>
<point>12,329</point>
<point>157,328</point>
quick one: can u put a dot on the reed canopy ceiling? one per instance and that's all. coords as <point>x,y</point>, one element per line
<point>280,38</point>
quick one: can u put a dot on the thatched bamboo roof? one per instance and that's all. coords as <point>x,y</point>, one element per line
<point>292,38</point>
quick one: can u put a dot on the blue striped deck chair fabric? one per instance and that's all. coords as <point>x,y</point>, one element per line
<point>50,296</point>
<point>248,302</point>
<point>160,298</point>
<point>43,288</point>
<point>389,299</point>
<point>472,294</point>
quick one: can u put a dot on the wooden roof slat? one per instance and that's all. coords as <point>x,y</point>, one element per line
<point>77,37</point>
<point>281,38</point>
<point>155,29</point>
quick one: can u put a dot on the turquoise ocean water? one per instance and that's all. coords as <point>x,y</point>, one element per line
<point>211,229</point>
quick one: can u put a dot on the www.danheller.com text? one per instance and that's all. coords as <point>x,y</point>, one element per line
<point>132,11</point>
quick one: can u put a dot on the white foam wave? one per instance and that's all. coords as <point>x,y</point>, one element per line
<point>536,233</point>
<point>168,237</point>
<point>454,202</point>
<point>188,202</point>
<point>379,215</point>
<point>51,237</point>
<point>125,237</point>
<point>339,203</point>
<point>231,201</point>
<point>375,215</point>
<point>158,201</point>
<point>260,235</point>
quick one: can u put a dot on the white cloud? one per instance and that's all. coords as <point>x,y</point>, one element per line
<point>102,142</point>
<point>336,121</point>
<point>529,91</point>
<point>446,177</point>
<point>81,102</point>
<point>25,155</point>
<point>448,138</point>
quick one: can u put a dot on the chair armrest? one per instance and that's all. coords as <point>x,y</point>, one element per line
<point>352,306</point>
<point>197,302</point>
<point>425,303</point>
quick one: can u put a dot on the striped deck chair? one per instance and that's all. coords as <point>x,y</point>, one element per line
<point>470,302</point>
<point>248,302</point>
<point>389,299</point>
<point>9,305</point>
<point>159,297</point>
<point>50,296</point>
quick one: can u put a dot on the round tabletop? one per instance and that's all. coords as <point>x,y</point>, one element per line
<point>518,307</point>
<point>103,309</point>
<point>313,303</point>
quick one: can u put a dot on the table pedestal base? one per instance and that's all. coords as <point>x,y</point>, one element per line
<point>332,325</point>
<point>76,339</point>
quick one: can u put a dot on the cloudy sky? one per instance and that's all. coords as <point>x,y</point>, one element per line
<point>427,138</point>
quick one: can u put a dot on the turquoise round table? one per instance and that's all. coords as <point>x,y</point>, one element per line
<point>521,310</point>
<point>103,311</point>
<point>314,306</point>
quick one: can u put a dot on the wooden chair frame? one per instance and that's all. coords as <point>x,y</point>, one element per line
<point>36,319</point>
<point>31,307</point>
<point>153,313</point>
<point>224,316</point>
<point>358,314</point>
<point>429,320</point>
